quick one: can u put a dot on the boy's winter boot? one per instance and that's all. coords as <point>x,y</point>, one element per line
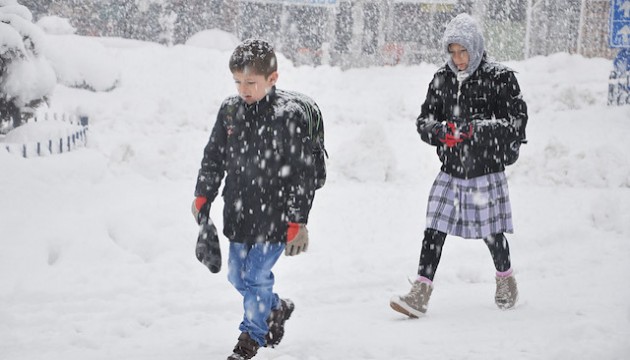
<point>416,302</point>
<point>276,321</point>
<point>246,348</point>
<point>507,292</point>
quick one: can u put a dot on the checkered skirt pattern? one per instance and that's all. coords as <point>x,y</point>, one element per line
<point>470,208</point>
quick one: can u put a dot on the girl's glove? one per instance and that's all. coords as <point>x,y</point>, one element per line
<point>297,239</point>
<point>458,133</point>
<point>464,130</point>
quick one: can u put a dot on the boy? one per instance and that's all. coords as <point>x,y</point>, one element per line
<point>475,116</point>
<point>261,142</point>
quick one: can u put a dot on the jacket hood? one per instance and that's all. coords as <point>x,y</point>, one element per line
<point>463,30</point>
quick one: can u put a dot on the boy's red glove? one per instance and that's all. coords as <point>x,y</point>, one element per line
<point>297,239</point>
<point>200,206</point>
<point>292,231</point>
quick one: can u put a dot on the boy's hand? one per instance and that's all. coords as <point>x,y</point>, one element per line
<point>297,239</point>
<point>200,206</point>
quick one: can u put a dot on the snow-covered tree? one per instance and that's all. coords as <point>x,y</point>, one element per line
<point>26,77</point>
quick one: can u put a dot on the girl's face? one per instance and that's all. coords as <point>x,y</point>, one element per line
<point>253,87</point>
<point>459,54</point>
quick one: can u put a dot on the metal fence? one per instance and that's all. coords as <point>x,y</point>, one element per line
<point>53,144</point>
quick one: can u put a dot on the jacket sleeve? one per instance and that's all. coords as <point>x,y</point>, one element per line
<point>510,114</point>
<point>431,114</point>
<point>301,168</point>
<point>213,163</point>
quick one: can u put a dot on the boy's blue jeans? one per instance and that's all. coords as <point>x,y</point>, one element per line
<point>249,270</point>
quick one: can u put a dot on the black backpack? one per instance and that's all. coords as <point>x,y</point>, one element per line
<point>512,150</point>
<point>313,116</point>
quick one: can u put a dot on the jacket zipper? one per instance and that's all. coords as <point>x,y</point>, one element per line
<point>461,77</point>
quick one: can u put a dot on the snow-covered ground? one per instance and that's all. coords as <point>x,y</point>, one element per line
<point>97,245</point>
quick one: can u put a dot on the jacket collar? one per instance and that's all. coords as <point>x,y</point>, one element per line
<point>262,104</point>
<point>484,59</point>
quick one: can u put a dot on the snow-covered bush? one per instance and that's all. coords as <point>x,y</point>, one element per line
<point>79,62</point>
<point>83,62</point>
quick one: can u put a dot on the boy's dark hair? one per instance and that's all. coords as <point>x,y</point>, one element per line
<point>254,55</point>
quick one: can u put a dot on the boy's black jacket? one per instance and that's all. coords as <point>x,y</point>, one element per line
<point>491,101</point>
<point>266,154</point>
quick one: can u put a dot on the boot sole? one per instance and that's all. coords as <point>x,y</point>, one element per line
<point>235,357</point>
<point>406,310</point>
<point>507,306</point>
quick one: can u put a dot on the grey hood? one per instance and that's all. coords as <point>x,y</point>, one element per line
<point>463,30</point>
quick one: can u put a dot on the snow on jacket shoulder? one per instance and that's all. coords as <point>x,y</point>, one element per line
<point>267,162</point>
<point>491,101</point>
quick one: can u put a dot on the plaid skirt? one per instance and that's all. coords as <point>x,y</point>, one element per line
<point>470,208</point>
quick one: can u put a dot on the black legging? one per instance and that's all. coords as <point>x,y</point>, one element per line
<point>432,252</point>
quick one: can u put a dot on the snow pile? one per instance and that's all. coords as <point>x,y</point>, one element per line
<point>376,161</point>
<point>55,25</point>
<point>213,39</point>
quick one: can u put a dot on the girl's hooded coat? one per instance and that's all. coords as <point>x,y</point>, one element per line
<point>486,96</point>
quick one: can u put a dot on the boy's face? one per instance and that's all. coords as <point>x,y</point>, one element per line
<point>459,54</point>
<point>253,87</point>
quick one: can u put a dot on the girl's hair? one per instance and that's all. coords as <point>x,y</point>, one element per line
<point>254,55</point>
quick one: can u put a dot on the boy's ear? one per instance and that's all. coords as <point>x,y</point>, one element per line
<point>273,77</point>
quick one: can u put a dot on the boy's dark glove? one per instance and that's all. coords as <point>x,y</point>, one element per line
<point>208,251</point>
<point>297,239</point>
<point>200,206</point>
